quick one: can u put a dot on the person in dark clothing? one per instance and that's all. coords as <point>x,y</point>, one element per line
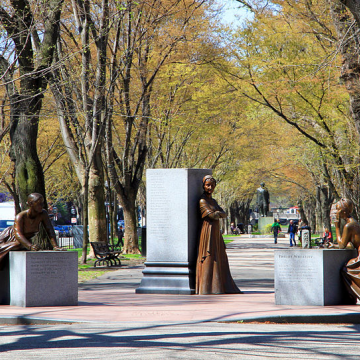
<point>292,230</point>
<point>120,236</point>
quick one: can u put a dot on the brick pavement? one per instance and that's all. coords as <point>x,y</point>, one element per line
<point>112,298</point>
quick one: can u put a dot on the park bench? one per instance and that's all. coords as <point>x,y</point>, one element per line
<point>106,254</point>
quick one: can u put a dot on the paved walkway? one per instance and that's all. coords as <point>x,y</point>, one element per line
<point>111,298</point>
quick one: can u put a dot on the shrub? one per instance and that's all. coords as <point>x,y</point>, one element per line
<point>267,229</point>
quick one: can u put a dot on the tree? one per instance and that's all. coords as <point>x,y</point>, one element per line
<point>289,67</point>
<point>151,35</point>
<point>24,67</point>
<point>81,107</point>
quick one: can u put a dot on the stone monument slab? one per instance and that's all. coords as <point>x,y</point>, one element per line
<point>43,278</point>
<point>310,276</point>
<point>306,239</point>
<point>5,283</point>
<point>172,230</point>
<point>263,221</point>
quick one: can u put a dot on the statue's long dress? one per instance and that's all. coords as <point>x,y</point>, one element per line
<point>212,267</point>
<point>351,275</point>
<point>8,242</point>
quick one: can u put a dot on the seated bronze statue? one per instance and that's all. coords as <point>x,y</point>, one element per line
<point>350,234</point>
<point>26,226</point>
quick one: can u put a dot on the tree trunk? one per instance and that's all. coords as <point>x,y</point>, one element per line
<point>240,212</point>
<point>85,217</point>
<point>96,205</point>
<point>301,211</point>
<point>326,200</point>
<point>29,177</point>
<point>350,70</point>
<point>131,243</point>
<point>310,211</point>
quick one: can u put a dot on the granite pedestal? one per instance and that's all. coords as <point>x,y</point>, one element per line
<point>5,283</point>
<point>43,278</point>
<point>310,276</point>
<point>263,221</point>
<point>172,230</point>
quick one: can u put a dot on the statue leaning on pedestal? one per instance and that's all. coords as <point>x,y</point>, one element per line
<point>212,267</point>
<point>262,199</point>
<point>27,223</point>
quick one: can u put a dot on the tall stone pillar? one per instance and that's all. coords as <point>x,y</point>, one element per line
<point>172,230</point>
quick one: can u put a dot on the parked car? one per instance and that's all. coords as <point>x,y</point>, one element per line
<point>64,230</point>
<point>5,224</point>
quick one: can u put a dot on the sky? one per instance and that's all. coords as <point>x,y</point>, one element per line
<point>232,12</point>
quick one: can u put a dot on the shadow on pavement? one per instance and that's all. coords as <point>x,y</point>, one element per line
<point>174,337</point>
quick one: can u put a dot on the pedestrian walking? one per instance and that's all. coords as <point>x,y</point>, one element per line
<point>275,228</point>
<point>292,231</point>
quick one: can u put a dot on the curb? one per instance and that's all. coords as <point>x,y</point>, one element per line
<point>350,318</point>
<point>28,320</point>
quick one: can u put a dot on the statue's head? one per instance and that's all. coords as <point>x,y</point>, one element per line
<point>34,198</point>
<point>344,207</point>
<point>208,178</point>
<point>209,184</point>
<point>262,184</point>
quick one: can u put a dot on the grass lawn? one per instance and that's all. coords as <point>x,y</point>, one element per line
<point>229,238</point>
<point>88,271</point>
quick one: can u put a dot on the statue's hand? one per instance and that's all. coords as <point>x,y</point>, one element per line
<point>34,247</point>
<point>57,248</point>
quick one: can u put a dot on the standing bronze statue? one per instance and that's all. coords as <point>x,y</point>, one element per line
<point>350,234</point>
<point>262,200</point>
<point>27,223</point>
<point>212,267</point>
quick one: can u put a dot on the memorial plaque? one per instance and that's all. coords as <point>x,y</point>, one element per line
<point>172,226</point>
<point>43,278</point>
<point>310,276</point>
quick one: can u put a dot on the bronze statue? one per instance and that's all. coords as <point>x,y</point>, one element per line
<point>350,234</point>
<point>212,267</point>
<point>262,200</point>
<point>18,236</point>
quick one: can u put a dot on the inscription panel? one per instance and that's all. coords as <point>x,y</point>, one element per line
<point>297,267</point>
<point>167,214</point>
<point>49,267</point>
<point>43,278</point>
<point>310,276</point>
<point>298,277</point>
<point>159,206</point>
